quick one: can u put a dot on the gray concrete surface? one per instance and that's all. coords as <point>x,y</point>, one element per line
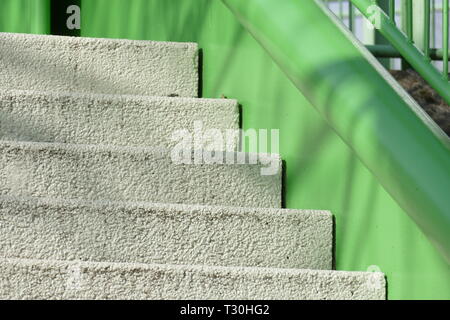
<point>132,174</point>
<point>95,205</point>
<point>34,279</point>
<point>90,65</point>
<point>164,233</point>
<point>122,120</point>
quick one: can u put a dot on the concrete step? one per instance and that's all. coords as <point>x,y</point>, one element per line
<point>89,65</point>
<point>110,119</point>
<point>49,279</point>
<point>165,233</point>
<point>135,174</point>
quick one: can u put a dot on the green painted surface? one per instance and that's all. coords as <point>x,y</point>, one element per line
<point>25,16</point>
<point>322,172</point>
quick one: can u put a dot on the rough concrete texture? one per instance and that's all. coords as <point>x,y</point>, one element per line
<point>132,174</point>
<point>47,279</point>
<point>111,119</point>
<point>164,233</point>
<point>55,63</point>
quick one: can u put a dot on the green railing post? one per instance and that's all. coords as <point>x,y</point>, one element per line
<point>421,26</point>
<point>351,16</point>
<point>407,25</point>
<point>379,38</point>
<point>407,17</point>
<point>392,13</point>
<point>433,23</point>
<point>427,28</point>
<point>445,40</point>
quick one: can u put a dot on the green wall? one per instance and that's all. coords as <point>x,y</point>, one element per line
<point>25,16</point>
<point>322,172</point>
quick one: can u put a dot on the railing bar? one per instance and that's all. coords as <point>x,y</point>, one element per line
<point>341,10</point>
<point>409,19</point>
<point>404,27</point>
<point>433,23</point>
<point>445,39</point>
<point>388,51</point>
<point>392,10</point>
<point>351,16</point>
<point>426,38</point>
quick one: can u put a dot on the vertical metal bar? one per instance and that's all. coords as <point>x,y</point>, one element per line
<point>433,24</point>
<point>445,35</point>
<point>404,23</point>
<point>379,38</point>
<point>351,16</point>
<point>420,25</point>
<point>341,10</point>
<point>392,10</point>
<point>409,19</point>
<point>403,15</point>
<point>426,31</point>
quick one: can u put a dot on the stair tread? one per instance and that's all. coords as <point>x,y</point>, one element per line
<point>92,206</point>
<point>117,66</point>
<point>165,233</point>
<point>51,279</point>
<point>57,170</point>
<point>124,120</point>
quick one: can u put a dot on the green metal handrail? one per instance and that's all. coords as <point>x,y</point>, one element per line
<point>389,133</point>
<point>417,55</point>
<point>422,10</point>
<point>388,51</point>
<point>404,44</point>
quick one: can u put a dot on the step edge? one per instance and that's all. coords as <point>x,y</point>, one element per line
<point>196,268</point>
<point>181,44</point>
<point>113,97</point>
<point>136,150</point>
<point>188,208</point>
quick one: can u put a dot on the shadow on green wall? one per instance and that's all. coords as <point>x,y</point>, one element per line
<point>25,16</point>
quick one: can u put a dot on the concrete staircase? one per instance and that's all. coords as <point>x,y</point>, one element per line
<point>92,205</point>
